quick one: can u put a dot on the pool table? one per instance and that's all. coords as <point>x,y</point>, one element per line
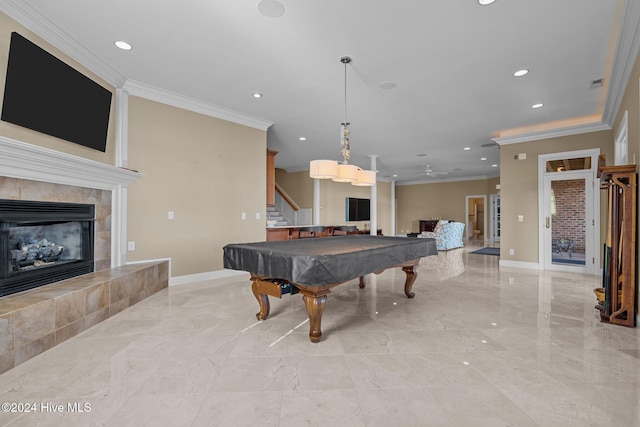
<point>313,266</point>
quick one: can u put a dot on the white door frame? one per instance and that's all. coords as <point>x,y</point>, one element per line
<point>466,215</point>
<point>594,215</point>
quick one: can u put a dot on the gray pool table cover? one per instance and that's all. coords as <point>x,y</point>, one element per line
<point>325,260</point>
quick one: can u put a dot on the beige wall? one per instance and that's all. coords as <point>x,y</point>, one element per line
<point>439,200</point>
<point>298,185</point>
<point>519,189</point>
<point>7,26</point>
<point>631,103</point>
<point>333,196</point>
<point>207,171</point>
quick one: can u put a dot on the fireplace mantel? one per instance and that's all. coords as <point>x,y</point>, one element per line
<point>25,161</point>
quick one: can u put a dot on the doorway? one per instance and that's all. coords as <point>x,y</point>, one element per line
<point>568,240</point>
<point>495,217</point>
<point>476,220</point>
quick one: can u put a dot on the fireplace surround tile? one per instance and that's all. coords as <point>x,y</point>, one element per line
<point>94,318</point>
<point>6,332</point>
<point>7,361</point>
<point>70,308</point>
<point>24,189</point>
<point>33,348</point>
<point>33,321</point>
<point>97,298</point>
<point>72,329</point>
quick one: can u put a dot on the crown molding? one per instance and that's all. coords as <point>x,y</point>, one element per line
<point>438,181</point>
<point>552,133</point>
<point>625,56</point>
<point>43,27</point>
<point>26,161</point>
<point>170,98</point>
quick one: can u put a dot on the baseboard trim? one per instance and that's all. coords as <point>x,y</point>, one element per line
<point>201,277</point>
<point>519,264</point>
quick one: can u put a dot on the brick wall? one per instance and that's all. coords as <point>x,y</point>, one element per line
<point>569,217</point>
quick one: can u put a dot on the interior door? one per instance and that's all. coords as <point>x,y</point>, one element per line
<point>568,222</point>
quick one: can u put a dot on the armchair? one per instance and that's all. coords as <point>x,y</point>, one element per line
<point>448,235</point>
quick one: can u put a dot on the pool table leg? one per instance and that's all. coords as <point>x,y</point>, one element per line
<point>362,283</point>
<point>412,275</point>
<point>263,300</point>
<point>314,300</point>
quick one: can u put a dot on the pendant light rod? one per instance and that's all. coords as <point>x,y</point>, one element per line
<point>343,171</point>
<point>345,60</point>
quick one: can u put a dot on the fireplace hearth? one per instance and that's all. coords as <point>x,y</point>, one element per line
<point>44,242</point>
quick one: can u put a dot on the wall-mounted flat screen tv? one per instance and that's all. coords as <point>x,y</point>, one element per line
<point>358,209</point>
<point>44,94</point>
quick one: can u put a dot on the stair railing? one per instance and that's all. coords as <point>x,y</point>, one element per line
<point>287,207</point>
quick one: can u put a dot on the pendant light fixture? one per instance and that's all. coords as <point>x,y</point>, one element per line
<point>343,171</point>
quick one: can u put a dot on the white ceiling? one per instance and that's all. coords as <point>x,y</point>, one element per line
<point>452,62</point>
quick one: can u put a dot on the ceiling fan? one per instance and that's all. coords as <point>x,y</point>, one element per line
<point>430,172</point>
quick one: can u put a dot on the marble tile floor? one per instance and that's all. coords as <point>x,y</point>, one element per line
<point>478,346</point>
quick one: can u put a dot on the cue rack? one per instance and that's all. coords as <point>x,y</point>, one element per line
<point>619,253</point>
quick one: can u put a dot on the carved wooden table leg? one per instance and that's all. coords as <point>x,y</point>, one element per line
<point>315,298</point>
<point>263,300</point>
<point>362,284</point>
<point>412,275</point>
<point>315,308</point>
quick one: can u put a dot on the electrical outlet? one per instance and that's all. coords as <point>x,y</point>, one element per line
<point>257,215</point>
<point>512,251</point>
<point>131,246</point>
<point>243,216</point>
<point>170,215</point>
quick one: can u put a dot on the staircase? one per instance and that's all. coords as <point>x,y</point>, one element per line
<point>274,214</point>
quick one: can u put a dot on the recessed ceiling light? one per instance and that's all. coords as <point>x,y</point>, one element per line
<point>256,95</point>
<point>537,105</point>
<point>388,85</point>
<point>271,8</point>
<point>394,175</point>
<point>494,166</point>
<point>485,2</point>
<point>303,138</point>
<point>467,148</point>
<point>122,45</point>
<point>483,158</point>
<point>521,73</point>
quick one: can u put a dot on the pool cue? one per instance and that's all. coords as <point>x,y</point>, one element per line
<point>606,275</point>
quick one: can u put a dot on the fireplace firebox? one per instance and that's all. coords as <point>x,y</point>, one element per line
<point>44,242</point>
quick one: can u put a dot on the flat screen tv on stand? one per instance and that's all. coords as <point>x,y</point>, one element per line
<point>358,209</point>
<point>44,94</point>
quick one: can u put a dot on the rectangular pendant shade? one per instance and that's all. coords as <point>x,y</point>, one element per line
<point>347,173</point>
<point>323,169</point>
<point>365,178</point>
